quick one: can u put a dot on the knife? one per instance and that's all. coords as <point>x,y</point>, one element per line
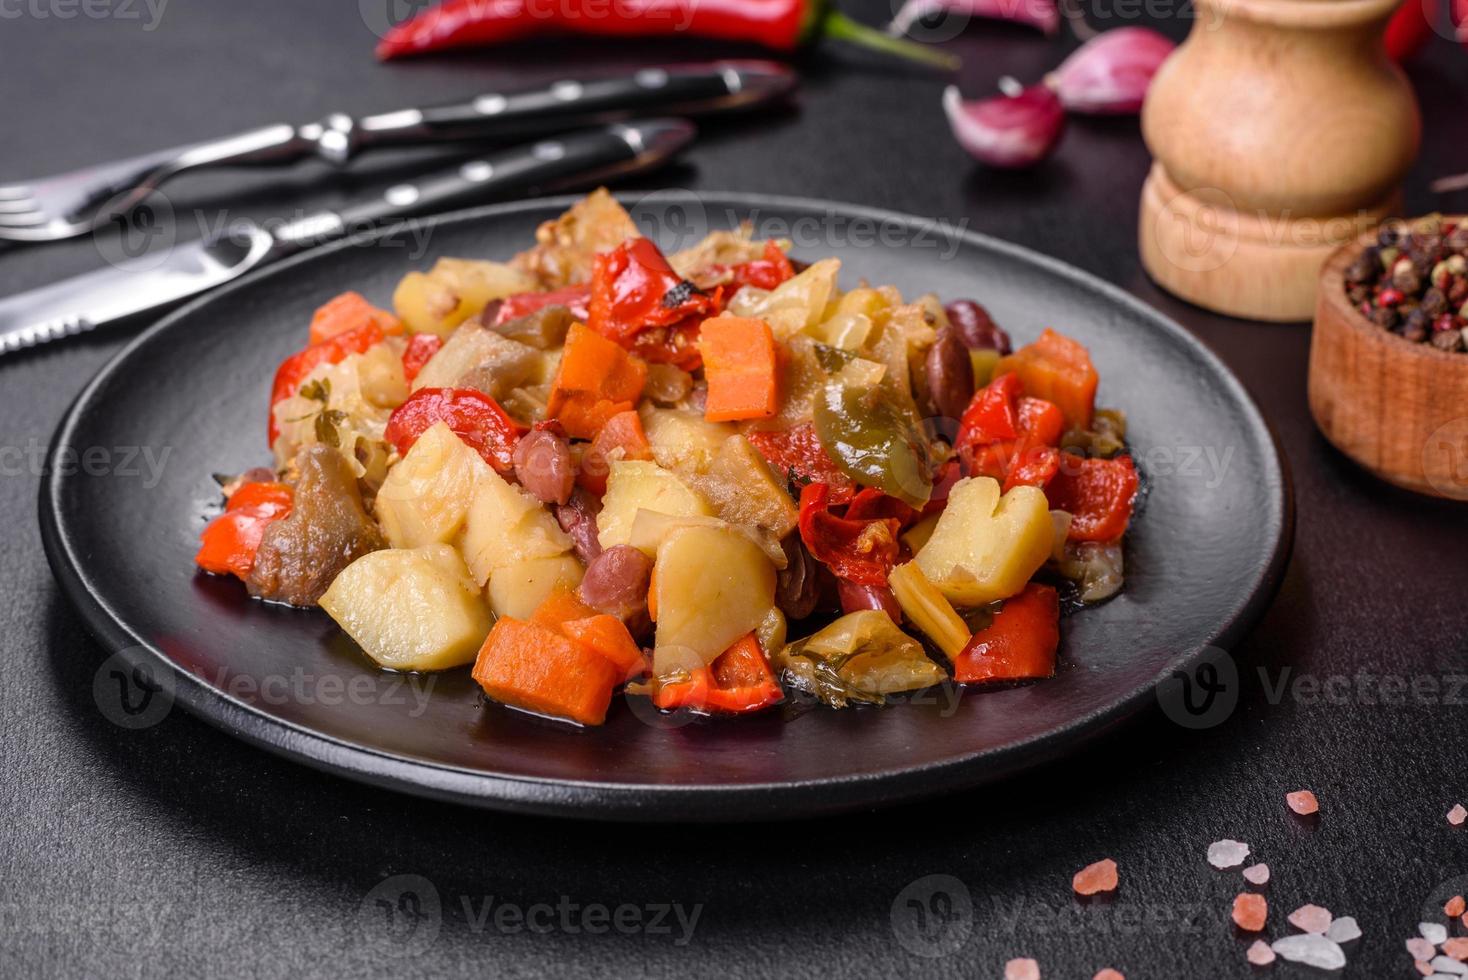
<point>100,298</point>
<point>69,204</point>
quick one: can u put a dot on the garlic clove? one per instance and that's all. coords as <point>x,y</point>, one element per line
<point>1044,14</point>
<point>1010,131</point>
<point>1109,74</point>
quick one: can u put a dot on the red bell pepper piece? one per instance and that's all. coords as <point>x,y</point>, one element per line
<point>992,414</point>
<point>1098,493</point>
<point>677,346</point>
<point>420,351</point>
<point>473,416</point>
<point>333,350</point>
<point>633,288</point>
<point>1010,437</point>
<point>1019,644</point>
<point>348,312</point>
<point>798,451</point>
<point>860,551</point>
<point>228,543</point>
<point>574,298</point>
<point>739,681</point>
<point>763,273</point>
<point>870,504</point>
<point>782,25</point>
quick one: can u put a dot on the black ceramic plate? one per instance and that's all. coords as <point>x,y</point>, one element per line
<point>1203,557</point>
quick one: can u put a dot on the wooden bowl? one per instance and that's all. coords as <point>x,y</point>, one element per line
<point>1397,408</point>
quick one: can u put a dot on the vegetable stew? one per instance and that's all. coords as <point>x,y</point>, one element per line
<point>713,478</point>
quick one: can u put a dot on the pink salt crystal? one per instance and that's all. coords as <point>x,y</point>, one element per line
<point>1022,969</point>
<point>1455,907</point>
<point>1108,974</point>
<point>1457,815</point>
<point>1260,954</point>
<point>1098,877</point>
<point>1464,920</point>
<point>1302,802</point>
<point>1256,874</point>
<point>1311,918</point>
<point>1420,948</point>
<point>1250,911</point>
<point>1225,854</point>
<point>1423,967</point>
<point>1457,948</point>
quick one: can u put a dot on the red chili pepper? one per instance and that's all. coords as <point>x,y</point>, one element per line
<point>1098,493</point>
<point>1409,28</point>
<point>574,298</point>
<point>738,682</point>
<point>860,551</point>
<point>474,417</point>
<point>228,544</point>
<point>782,25</point>
<point>420,351</point>
<point>1019,644</point>
<point>633,288</point>
<point>334,350</point>
<point>763,273</point>
<point>798,451</point>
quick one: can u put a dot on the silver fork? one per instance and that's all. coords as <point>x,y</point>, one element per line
<point>74,203</point>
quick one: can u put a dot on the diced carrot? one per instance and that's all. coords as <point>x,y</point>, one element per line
<point>529,666</point>
<point>348,312</point>
<point>595,380</point>
<point>652,595</point>
<point>623,432</point>
<point>1059,370</point>
<point>741,364</point>
<point>608,636</point>
<point>561,606</point>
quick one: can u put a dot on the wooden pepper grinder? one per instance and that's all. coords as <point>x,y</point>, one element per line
<point>1280,129</point>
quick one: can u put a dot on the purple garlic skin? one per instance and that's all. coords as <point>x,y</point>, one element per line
<point>1008,131</point>
<point>1109,75</point>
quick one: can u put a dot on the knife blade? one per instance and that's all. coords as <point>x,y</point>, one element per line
<point>107,296</point>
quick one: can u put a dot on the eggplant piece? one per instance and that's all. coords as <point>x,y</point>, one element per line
<point>328,529</point>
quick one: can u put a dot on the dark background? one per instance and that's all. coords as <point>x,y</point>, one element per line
<point>178,850</point>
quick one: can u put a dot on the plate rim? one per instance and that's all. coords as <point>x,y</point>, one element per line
<point>642,802</point>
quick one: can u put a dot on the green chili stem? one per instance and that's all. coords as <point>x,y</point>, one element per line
<point>835,24</point>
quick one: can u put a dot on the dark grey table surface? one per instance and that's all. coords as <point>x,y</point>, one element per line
<point>176,850</point>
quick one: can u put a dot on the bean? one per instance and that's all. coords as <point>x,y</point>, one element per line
<point>577,518</point>
<point>855,598</point>
<point>976,328</point>
<point>616,582</point>
<point>797,587</point>
<point>950,375</point>
<point>543,466</point>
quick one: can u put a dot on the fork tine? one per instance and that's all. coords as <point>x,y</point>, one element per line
<point>12,192</point>
<point>23,220</point>
<point>17,205</point>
